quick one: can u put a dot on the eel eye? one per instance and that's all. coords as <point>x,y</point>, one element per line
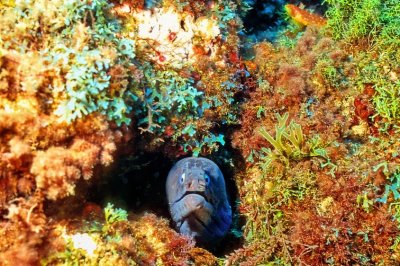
<point>182,179</point>
<point>207,179</point>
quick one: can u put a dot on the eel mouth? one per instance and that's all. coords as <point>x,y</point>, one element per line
<point>197,215</point>
<point>200,193</point>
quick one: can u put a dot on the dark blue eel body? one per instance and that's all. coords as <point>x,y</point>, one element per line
<point>197,199</point>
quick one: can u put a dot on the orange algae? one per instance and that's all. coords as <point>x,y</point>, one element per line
<point>304,17</point>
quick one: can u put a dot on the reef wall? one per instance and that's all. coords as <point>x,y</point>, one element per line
<point>302,112</point>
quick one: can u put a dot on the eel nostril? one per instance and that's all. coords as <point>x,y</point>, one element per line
<point>191,184</point>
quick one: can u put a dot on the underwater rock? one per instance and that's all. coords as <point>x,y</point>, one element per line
<point>197,199</point>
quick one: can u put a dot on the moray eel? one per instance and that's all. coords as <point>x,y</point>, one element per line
<point>197,200</point>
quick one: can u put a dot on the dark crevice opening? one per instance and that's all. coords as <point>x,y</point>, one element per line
<point>266,19</point>
<point>137,184</point>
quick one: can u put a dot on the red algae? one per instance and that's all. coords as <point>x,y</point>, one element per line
<point>322,209</point>
<point>306,127</point>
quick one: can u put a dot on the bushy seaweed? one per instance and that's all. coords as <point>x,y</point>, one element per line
<point>287,142</point>
<point>171,107</point>
<point>374,25</point>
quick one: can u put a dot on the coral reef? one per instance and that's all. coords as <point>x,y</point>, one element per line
<point>144,240</point>
<point>188,59</point>
<point>325,195</point>
<point>81,80</point>
<point>303,110</point>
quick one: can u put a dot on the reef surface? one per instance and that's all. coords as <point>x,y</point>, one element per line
<point>298,103</point>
